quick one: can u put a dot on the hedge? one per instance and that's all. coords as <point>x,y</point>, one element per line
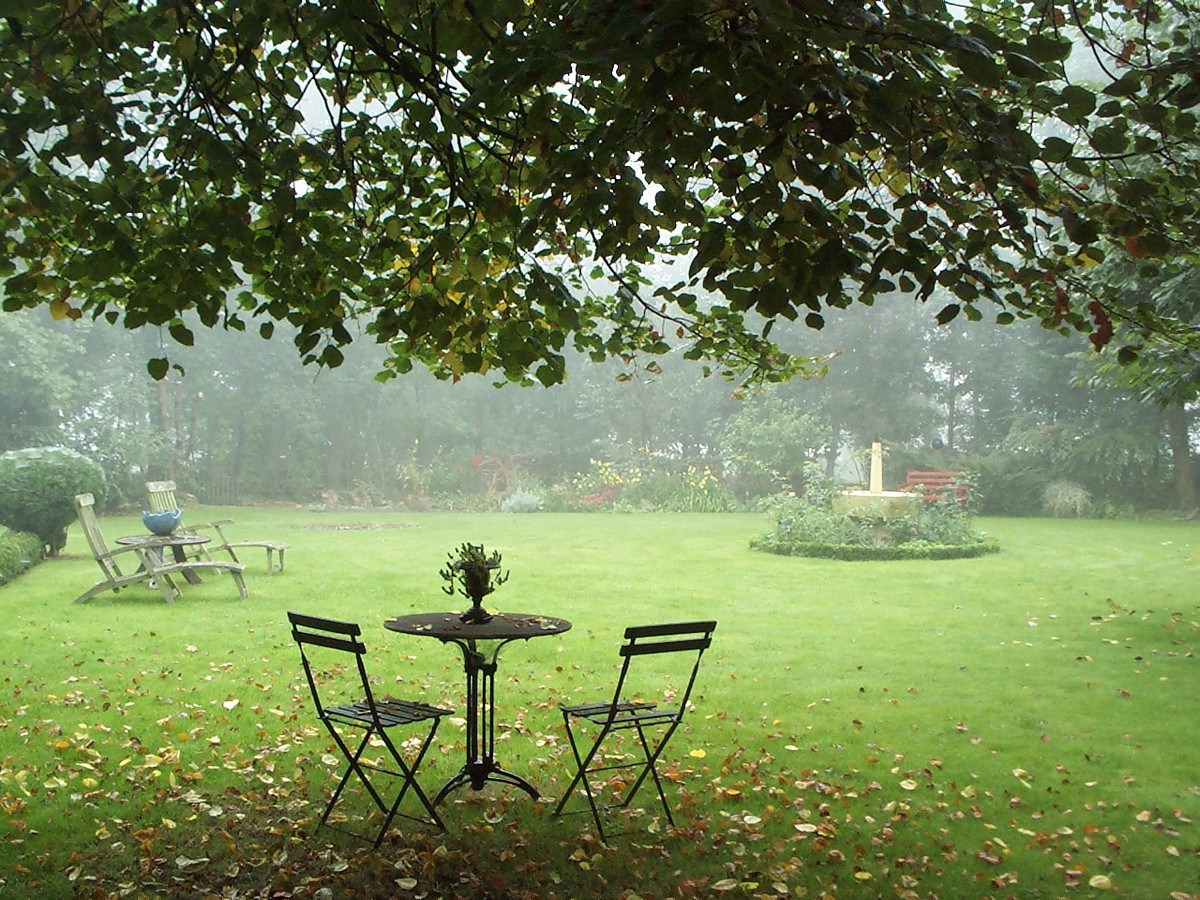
<point>856,552</point>
<point>19,550</point>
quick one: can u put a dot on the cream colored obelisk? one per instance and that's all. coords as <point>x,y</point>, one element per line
<point>876,468</point>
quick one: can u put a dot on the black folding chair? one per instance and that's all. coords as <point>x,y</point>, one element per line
<point>373,717</point>
<point>654,725</point>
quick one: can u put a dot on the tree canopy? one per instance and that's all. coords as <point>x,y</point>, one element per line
<point>480,184</point>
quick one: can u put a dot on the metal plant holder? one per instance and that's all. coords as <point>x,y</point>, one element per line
<point>473,573</point>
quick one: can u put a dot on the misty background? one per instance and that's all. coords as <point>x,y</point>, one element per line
<point>1018,406</point>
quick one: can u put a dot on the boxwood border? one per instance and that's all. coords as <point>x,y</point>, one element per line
<point>861,552</point>
<point>19,551</point>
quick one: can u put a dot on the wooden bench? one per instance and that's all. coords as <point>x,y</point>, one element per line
<point>936,485</point>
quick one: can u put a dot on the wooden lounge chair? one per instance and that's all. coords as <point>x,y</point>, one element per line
<point>152,569</point>
<point>161,496</point>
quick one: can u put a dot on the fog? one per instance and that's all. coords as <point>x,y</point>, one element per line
<point>1018,406</point>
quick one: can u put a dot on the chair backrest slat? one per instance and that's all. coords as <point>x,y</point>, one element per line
<point>670,628</point>
<point>160,495</point>
<point>683,637</point>
<point>349,645</point>
<point>334,635</point>
<point>85,508</point>
<point>334,625</point>
<point>665,647</point>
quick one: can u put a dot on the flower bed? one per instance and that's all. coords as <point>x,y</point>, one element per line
<point>810,528</point>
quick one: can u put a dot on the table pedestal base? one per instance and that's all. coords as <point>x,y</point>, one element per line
<point>480,668</point>
<point>481,766</point>
<point>478,773</point>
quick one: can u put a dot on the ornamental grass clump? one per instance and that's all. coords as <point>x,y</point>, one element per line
<point>522,501</point>
<point>808,526</point>
<point>1066,500</point>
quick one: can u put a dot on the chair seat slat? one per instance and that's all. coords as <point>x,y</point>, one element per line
<point>635,719</point>
<point>588,709</point>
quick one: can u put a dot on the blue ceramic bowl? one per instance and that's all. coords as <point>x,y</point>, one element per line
<point>162,523</point>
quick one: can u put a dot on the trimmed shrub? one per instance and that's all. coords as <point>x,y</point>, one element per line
<point>37,491</point>
<point>19,550</point>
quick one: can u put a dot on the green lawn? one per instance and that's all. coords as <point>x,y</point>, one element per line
<point>1024,724</point>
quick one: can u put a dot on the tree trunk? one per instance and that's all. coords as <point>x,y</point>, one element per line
<point>1178,433</point>
<point>952,413</point>
<point>189,449</point>
<point>335,460</point>
<point>835,442</point>
<point>165,425</point>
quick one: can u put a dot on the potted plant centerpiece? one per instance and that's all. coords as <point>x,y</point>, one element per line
<point>475,574</point>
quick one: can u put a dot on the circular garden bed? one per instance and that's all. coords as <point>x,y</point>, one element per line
<point>938,531</point>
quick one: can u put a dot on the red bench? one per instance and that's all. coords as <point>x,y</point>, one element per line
<point>938,485</point>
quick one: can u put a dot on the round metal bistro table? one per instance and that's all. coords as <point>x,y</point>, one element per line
<point>480,667</point>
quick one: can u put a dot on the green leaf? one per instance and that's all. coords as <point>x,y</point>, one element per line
<point>948,313</point>
<point>181,333</point>
<point>1110,139</point>
<point>1056,150</point>
<point>1025,67</point>
<point>1080,101</point>
<point>1046,48</point>
<point>158,367</point>
<point>1126,86</point>
<point>981,69</point>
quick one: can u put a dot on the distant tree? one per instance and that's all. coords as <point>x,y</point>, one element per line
<point>1163,374</point>
<point>771,435</point>
<point>876,380</point>
<point>452,176</point>
<point>37,388</point>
